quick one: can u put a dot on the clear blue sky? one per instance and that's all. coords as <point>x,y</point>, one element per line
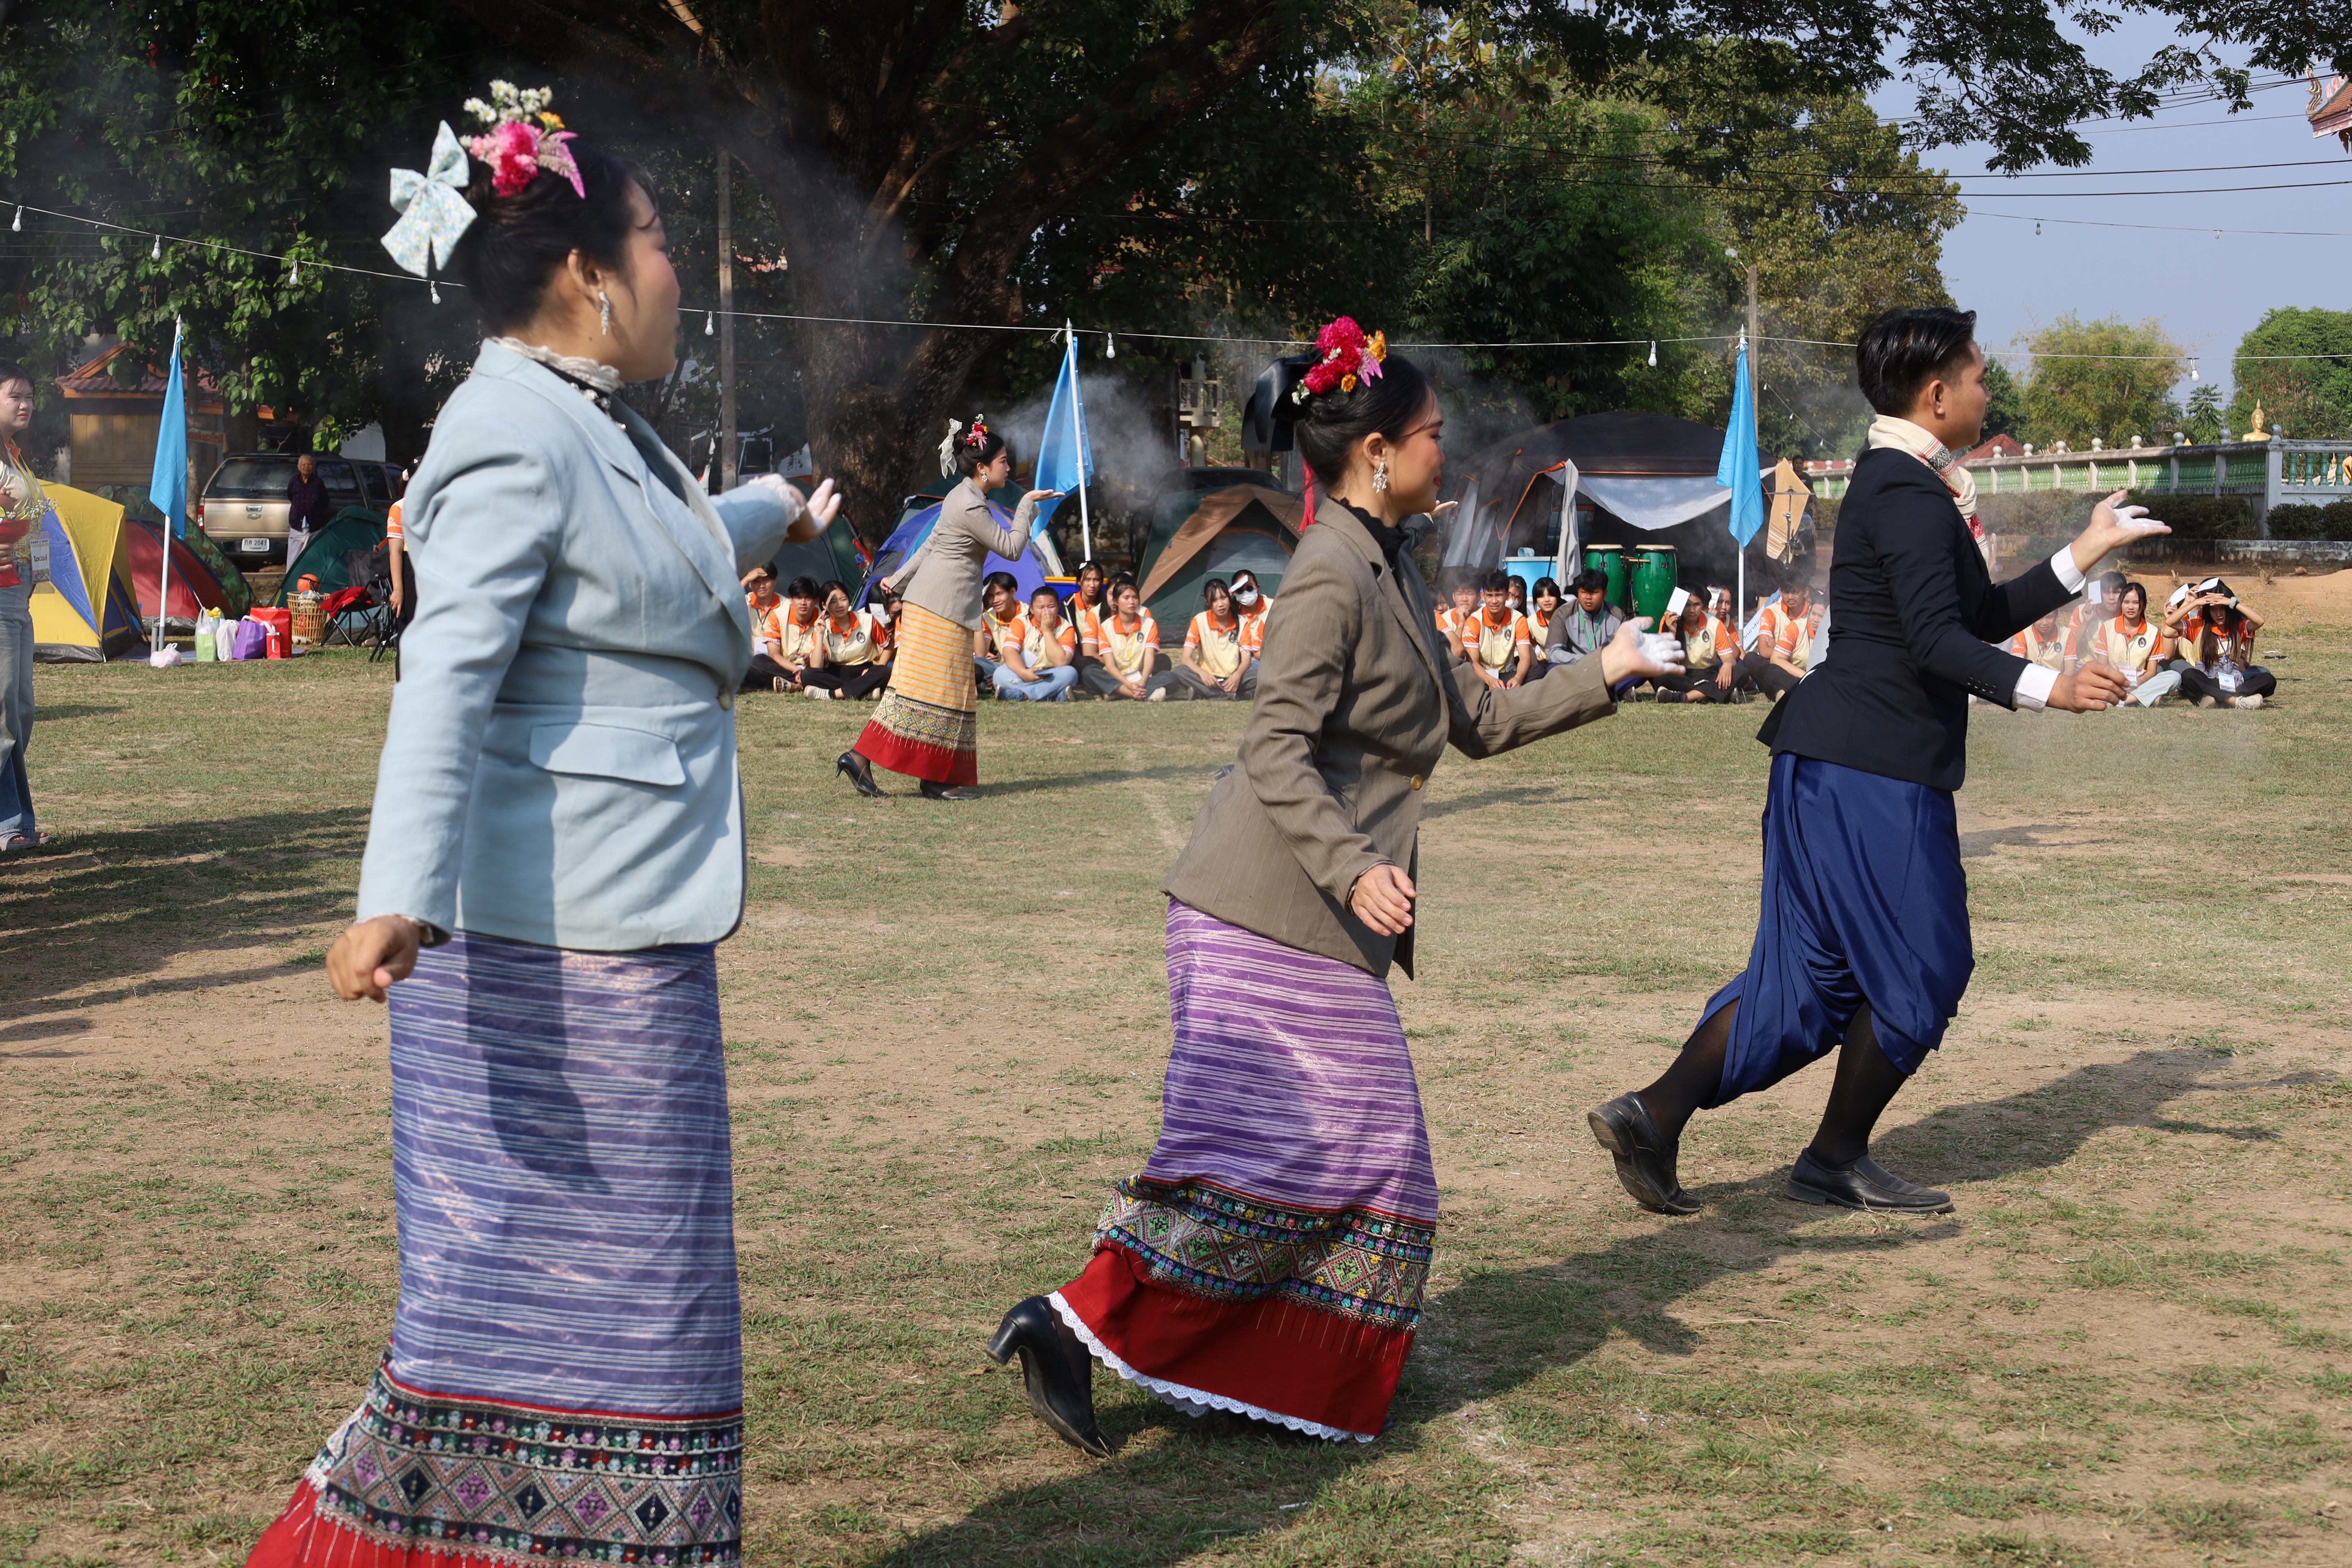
<point>2208,291</point>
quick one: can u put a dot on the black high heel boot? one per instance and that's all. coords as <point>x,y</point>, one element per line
<point>860,773</point>
<point>1055,1370</point>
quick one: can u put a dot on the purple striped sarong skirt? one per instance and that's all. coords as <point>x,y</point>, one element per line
<point>1270,1259</point>
<point>565,1375</point>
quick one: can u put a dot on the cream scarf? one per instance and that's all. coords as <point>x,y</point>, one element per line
<point>1886,430</point>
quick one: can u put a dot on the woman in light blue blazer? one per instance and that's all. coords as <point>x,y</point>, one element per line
<point>557,844</point>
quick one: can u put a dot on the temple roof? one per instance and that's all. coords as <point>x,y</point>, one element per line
<point>96,379</point>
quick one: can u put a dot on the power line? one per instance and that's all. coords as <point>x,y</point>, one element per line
<point>2173,227</point>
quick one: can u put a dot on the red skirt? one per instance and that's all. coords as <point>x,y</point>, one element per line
<point>927,725</point>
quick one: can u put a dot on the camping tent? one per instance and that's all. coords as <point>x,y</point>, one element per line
<point>1639,479</point>
<point>831,556</point>
<point>237,596</point>
<point>194,587</point>
<point>1195,537</point>
<point>85,611</point>
<point>916,527</point>
<point>353,528</point>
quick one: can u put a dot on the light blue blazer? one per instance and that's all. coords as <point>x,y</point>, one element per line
<point>559,763</point>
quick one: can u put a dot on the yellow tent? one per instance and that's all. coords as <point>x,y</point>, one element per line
<point>87,609</point>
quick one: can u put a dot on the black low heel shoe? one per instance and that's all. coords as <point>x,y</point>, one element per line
<point>948,791</point>
<point>1864,1185</point>
<point>1055,1370</point>
<point>859,771</point>
<point>1646,1162</point>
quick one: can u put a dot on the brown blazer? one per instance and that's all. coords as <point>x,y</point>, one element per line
<point>1355,705</point>
<point>944,575</point>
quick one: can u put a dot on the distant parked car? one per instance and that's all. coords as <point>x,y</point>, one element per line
<point>244,507</point>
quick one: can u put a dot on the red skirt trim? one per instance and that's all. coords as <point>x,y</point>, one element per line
<point>936,764</point>
<point>298,1538</point>
<point>1271,1358</point>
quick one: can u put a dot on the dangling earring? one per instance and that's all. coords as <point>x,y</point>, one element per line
<point>1381,475</point>
<point>604,310</point>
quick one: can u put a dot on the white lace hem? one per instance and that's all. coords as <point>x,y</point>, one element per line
<point>1194,1401</point>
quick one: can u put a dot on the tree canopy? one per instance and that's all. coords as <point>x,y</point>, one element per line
<point>978,167</point>
<point>2311,398</point>
<point>2106,380</point>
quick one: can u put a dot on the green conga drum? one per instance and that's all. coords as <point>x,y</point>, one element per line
<point>1652,579</point>
<point>1608,559</point>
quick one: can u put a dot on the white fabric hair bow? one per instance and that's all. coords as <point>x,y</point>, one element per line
<point>948,451</point>
<point>433,212</point>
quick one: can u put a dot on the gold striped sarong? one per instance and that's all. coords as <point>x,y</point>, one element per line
<point>927,725</point>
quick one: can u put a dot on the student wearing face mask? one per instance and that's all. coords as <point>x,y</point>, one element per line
<point>1251,604</point>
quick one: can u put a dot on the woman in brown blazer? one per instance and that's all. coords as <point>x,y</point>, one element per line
<point>1270,1259</point>
<point>928,723</point>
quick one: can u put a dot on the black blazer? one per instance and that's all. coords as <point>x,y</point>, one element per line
<point>1912,610</point>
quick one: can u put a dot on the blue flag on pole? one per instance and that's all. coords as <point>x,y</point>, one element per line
<point>1065,457</point>
<point>169,486</point>
<point>1740,468</point>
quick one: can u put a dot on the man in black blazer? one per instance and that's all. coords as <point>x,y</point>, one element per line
<point>1862,941</point>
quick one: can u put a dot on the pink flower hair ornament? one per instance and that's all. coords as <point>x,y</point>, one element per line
<point>1346,358</point>
<point>523,138</point>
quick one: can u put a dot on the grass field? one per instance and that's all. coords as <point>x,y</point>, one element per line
<point>946,1026</point>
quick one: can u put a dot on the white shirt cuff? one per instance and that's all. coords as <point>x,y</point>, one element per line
<point>2034,686</point>
<point>2068,577</point>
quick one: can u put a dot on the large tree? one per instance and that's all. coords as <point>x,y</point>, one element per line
<point>2107,380</point>
<point>2297,364</point>
<point>922,152</point>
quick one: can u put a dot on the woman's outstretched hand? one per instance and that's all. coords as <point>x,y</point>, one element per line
<point>1383,899</point>
<point>1043,495</point>
<point>372,957</point>
<point>816,512</point>
<point>1632,654</point>
<point>2113,527</point>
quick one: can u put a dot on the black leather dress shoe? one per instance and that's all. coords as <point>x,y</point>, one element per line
<point>1055,1370</point>
<point>1646,1162</point>
<point>1864,1185</point>
<point>948,791</point>
<point>859,771</point>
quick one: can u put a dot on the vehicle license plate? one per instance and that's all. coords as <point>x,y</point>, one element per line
<point>252,546</point>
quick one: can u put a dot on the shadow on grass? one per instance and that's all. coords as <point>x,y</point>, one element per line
<point>123,904</point>
<point>1221,1479</point>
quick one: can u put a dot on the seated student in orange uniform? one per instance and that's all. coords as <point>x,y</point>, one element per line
<point>1043,665</point>
<point>1088,604</point>
<point>852,655</point>
<point>1707,662</point>
<point>2131,644</point>
<point>1544,600</point>
<point>2046,643</point>
<point>789,632</point>
<point>1496,640</point>
<point>1251,604</point>
<point>1784,640</point>
<point>1128,649</point>
<point>759,597</point>
<point>2214,656</point>
<point>1216,662</point>
<point>1002,624</point>
<point>1450,622</point>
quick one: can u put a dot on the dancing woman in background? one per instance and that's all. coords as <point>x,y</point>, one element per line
<point>558,828</point>
<point>1270,1259</point>
<point>928,723</point>
<point>1863,940</point>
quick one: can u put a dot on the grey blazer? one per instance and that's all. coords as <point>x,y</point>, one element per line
<point>943,575</point>
<point>1355,705</point>
<point>559,763</point>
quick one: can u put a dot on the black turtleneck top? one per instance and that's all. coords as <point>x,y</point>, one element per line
<point>1392,541</point>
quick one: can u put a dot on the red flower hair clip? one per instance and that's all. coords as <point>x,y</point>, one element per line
<point>523,137</point>
<point>1345,358</point>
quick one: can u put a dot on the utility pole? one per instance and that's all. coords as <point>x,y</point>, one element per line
<point>1753,340</point>
<point>726,464</point>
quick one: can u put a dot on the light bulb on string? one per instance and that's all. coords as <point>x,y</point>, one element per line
<point>1110,346</point>
<point>19,227</point>
<point>297,276</point>
<point>2037,228</point>
<point>1654,353</point>
<point>433,288</point>
<point>155,251</point>
<point>2192,372</point>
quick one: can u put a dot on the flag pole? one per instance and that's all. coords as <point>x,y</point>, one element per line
<point>1739,611</point>
<point>163,583</point>
<point>1078,434</point>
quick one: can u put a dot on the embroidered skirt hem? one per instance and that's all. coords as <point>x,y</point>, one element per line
<point>927,724</point>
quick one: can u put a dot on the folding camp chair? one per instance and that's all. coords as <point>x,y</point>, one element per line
<point>369,609</point>
<point>388,626</point>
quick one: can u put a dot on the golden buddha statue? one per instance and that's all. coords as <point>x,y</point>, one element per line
<point>2261,432</point>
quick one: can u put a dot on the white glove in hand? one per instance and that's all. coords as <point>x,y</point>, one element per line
<point>1664,649</point>
<point>2135,521</point>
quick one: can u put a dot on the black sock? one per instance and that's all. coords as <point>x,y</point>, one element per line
<point>1694,1078</point>
<point>1865,1083</point>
